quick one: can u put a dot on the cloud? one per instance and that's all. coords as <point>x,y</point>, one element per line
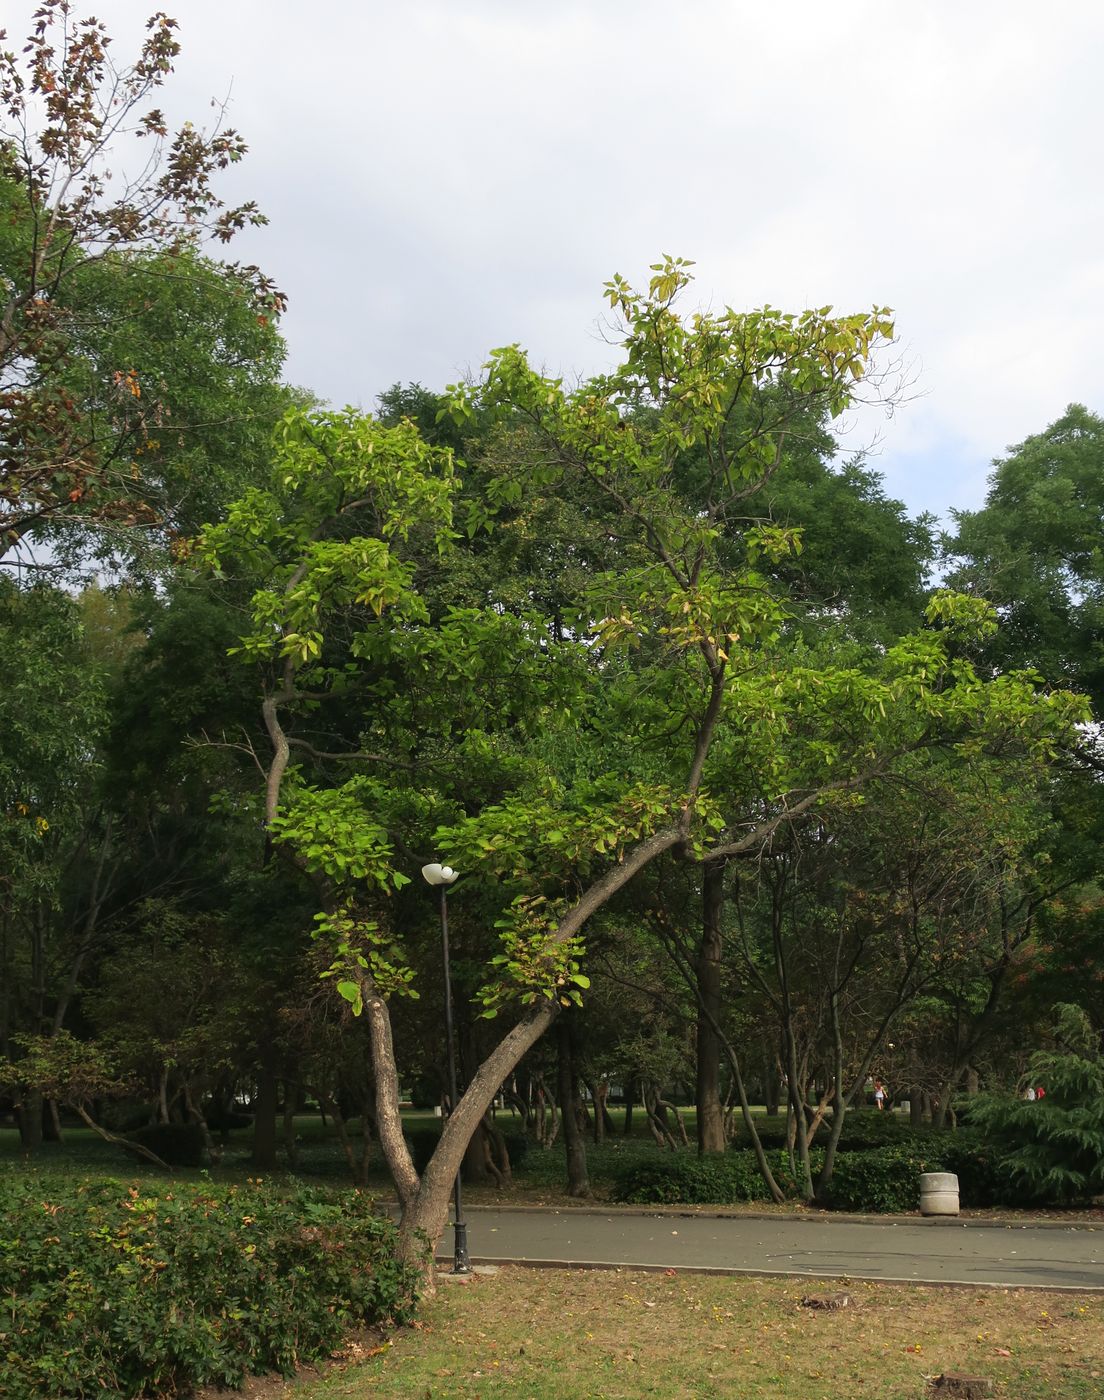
<point>450,175</point>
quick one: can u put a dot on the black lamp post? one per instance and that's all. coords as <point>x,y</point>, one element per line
<point>441,876</point>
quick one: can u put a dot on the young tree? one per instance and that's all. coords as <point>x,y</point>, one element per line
<point>555,764</point>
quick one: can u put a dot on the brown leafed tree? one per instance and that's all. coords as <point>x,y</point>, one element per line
<point>71,119</point>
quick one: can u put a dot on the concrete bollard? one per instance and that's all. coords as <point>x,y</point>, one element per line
<point>938,1193</point>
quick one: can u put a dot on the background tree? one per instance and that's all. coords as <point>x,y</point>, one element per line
<point>67,110</point>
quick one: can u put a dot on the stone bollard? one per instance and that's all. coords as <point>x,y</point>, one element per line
<point>938,1193</point>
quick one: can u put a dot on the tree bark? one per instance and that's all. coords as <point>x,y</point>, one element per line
<point>770,1088</point>
<point>425,1209</point>
<point>264,1120</point>
<point>711,1135</point>
<point>291,1152</point>
<point>30,1123</point>
<point>630,1099</point>
<point>578,1183</point>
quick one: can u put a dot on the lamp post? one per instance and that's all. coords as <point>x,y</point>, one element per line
<point>441,876</point>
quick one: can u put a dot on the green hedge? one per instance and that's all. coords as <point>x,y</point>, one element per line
<point>880,1179</point>
<point>177,1144</point>
<point>113,1290</point>
<point>861,1128</point>
<point>683,1178</point>
<point>423,1143</point>
<point>877,1179</point>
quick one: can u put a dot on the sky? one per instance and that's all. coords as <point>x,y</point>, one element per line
<point>446,176</point>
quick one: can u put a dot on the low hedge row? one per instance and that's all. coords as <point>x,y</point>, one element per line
<point>862,1128</point>
<point>113,1290</point>
<point>684,1178</point>
<point>882,1179</point>
<point>423,1143</point>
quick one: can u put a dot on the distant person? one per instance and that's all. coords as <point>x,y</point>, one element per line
<point>1040,1092</point>
<point>879,1094</point>
<point>1030,1094</point>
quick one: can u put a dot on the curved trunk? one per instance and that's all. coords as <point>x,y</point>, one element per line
<point>425,1207</point>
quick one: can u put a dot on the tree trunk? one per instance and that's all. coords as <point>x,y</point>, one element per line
<point>291,1152</point>
<point>916,1107</point>
<point>567,1094</point>
<point>51,1129</point>
<point>425,1202</point>
<point>711,1134</point>
<point>602,1121</point>
<point>486,1158</point>
<point>264,1120</point>
<point>770,1088</point>
<point>30,1123</point>
<point>630,1099</point>
<point>195,1115</point>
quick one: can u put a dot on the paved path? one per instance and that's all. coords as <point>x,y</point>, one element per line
<point>928,1252</point>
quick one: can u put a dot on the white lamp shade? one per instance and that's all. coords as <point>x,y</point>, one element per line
<point>438,874</point>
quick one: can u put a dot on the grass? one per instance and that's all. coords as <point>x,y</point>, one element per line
<point>557,1335</point>
<point>541,1177</point>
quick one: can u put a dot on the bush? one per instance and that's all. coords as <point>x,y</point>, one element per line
<point>1051,1151</point>
<point>517,1145</point>
<point>177,1144</point>
<point>976,1163</point>
<point>221,1118</point>
<point>861,1129</point>
<point>685,1179</point>
<point>119,1292</point>
<point>423,1144</point>
<point>881,1179</point>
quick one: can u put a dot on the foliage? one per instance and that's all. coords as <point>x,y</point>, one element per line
<point>66,109</point>
<point>883,1179</point>
<point>861,1130</point>
<point>61,1067</point>
<point>681,1178</point>
<point>177,1144</point>
<point>1052,1150</point>
<point>116,1290</point>
<point>1034,550</point>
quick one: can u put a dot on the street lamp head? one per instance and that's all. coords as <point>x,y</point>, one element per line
<point>437,874</point>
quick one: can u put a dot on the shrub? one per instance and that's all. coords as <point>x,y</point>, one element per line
<point>423,1144</point>
<point>975,1162</point>
<point>177,1144</point>
<point>112,1291</point>
<point>517,1145</point>
<point>880,1179</point>
<point>1051,1152</point>
<point>683,1178</point>
<point>221,1118</point>
<point>861,1129</point>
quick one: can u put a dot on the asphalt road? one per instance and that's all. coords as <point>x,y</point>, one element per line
<point>921,1252</point>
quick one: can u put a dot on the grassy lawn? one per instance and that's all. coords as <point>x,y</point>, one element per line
<point>540,1177</point>
<point>552,1335</point>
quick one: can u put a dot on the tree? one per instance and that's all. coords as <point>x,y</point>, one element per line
<point>1053,1149</point>
<point>1034,551</point>
<point>67,108</point>
<point>555,765</point>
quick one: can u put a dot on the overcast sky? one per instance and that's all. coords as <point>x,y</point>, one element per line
<point>446,176</point>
